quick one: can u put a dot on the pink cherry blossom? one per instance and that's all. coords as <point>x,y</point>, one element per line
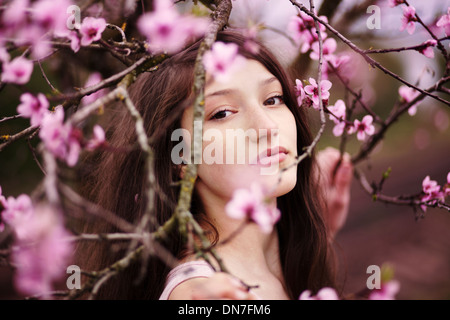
<point>42,253</point>
<point>251,35</point>
<point>335,63</point>
<point>446,187</point>
<point>303,31</point>
<point>4,55</point>
<point>91,30</point>
<point>2,200</point>
<point>408,94</point>
<point>3,205</point>
<point>298,29</point>
<point>53,132</point>
<point>167,30</point>
<point>223,60</point>
<point>93,79</point>
<point>432,192</point>
<point>364,127</point>
<point>313,91</point>
<point>15,14</point>
<point>33,107</point>
<point>337,111</point>
<point>394,3</point>
<point>409,19</point>
<point>339,128</point>
<point>16,210</point>
<point>387,291</point>
<point>323,294</point>
<point>329,47</point>
<point>299,91</point>
<point>338,117</point>
<point>51,16</point>
<point>36,37</point>
<point>98,138</point>
<point>59,138</point>
<point>75,41</point>
<point>73,146</point>
<point>17,71</point>
<point>430,186</point>
<point>339,60</point>
<point>427,48</point>
<point>444,22</point>
<point>250,204</point>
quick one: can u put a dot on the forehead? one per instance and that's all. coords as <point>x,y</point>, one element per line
<point>251,74</point>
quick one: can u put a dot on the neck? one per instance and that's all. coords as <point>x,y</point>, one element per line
<point>243,243</point>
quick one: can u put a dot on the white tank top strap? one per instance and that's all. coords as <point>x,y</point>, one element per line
<point>183,272</point>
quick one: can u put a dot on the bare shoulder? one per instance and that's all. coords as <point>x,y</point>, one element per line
<point>218,286</point>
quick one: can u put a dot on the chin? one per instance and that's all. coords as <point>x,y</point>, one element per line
<point>287,183</point>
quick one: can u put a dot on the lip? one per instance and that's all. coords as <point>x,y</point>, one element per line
<point>272,156</point>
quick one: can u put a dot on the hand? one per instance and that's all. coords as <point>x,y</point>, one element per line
<point>336,189</point>
<point>219,286</point>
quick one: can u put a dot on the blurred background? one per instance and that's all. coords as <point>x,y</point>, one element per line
<point>414,147</point>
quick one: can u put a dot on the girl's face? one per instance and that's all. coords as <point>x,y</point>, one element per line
<point>249,134</point>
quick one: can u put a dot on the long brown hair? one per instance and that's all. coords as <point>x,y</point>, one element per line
<point>117,181</point>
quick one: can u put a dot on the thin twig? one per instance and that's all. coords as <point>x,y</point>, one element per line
<point>366,57</point>
<point>400,200</point>
<point>10,139</point>
<point>308,151</point>
<point>184,217</point>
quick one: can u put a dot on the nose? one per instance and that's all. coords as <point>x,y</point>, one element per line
<point>263,123</point>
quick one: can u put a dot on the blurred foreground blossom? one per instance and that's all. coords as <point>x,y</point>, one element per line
<point>222,60</point>
<point>17,71</point>
<point>394,3</point>
<point>387,291</point>
<point>59,138</point>
<point>323,294</point>
<point>33,107</point>
<point>167,30</point>
<point>41,251</point>
<point>250,204</point>
<point>93,79</point>
<point>16,211</point>
<point>98,138</point>
<point>51,16</point>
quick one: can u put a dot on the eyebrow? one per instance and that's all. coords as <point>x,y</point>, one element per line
<point>268,81</point>
<point>226,92</point>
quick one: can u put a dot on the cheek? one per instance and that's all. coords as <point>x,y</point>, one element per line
<point>224,166</point>
<point>292,133</point>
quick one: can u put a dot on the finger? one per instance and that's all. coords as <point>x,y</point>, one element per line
<point>343,177</point>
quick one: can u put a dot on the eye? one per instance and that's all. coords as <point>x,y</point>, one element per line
<point>275,100</point>
<point>221,114</point>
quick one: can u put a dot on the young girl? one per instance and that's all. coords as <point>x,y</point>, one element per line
<point>295,256</point>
